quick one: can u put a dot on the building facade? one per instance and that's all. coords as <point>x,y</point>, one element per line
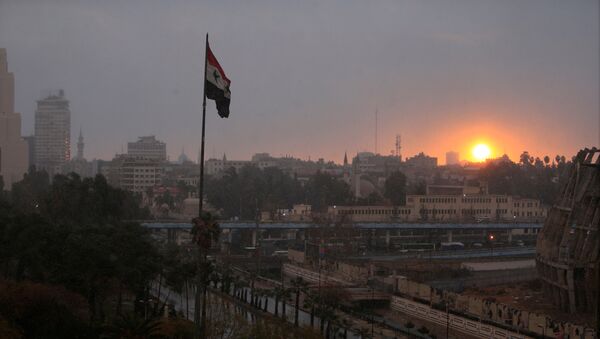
<point>452,158</point>
<point>447,208</point>
<point>134,174</point>
<point>52,133</point>
<point>218,166</point>
<point>14,158</point>
<point>148,147</point>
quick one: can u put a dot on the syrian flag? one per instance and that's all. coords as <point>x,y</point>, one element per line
<point>217,84</point>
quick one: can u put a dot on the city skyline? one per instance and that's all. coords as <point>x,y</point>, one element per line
<point>503,77</point>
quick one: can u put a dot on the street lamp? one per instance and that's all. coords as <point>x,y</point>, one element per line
<point>447,320</point>
<point>491,239</point>
<point>371,284</point>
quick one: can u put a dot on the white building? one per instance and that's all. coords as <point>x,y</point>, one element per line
<point>134,174</point>
<point>13,148</point>
<point>52,133</point>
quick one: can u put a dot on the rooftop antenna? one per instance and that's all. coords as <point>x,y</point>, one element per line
<point>376,113</point>
<point>398,146</point>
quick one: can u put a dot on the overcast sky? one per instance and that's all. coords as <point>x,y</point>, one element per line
<point>307,76</point>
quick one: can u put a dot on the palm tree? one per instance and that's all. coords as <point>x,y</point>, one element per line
<point>206,231</point>
<point>346,324</point>
<point>281,294</point>
<point>267,294</point>
<point>299,286</point>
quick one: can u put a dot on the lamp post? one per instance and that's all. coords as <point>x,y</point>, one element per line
<point>447,321</point>
<point>371,284</point>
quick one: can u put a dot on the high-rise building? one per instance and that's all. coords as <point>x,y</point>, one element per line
<point>148,148</point>
<point>52,133</point>
<point>30,140</point>
<point>13,148</point>
<point>452,158</point>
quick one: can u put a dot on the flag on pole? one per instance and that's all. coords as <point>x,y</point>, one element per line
<point>217,84</point>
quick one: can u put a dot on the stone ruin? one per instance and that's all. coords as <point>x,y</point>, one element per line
<point>568,246</point>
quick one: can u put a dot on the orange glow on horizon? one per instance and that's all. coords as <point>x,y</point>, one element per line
<point>500,135</point>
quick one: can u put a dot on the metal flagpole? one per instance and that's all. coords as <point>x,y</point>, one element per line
<point>200,297</point>
<point>201,181</point>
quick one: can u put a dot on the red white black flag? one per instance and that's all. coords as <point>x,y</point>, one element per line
<point>217,84</point>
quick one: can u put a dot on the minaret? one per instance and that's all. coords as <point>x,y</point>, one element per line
<point>80,145</point>
<point>345,159</point>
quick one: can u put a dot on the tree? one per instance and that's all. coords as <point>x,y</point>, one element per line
<point>298,286</point>
<point>75,237</point>
<point>395,188</point>
<point>27,195</point>
<point>547,160</point>
<point>525,159</point>
<point>418,188</point>
<point>323,190</point>
<point>41,311</point>
<point>165,198</point>
<point>133,326</point>
<point>205,231</point>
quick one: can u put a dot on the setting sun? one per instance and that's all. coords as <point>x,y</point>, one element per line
<point>481,152</point>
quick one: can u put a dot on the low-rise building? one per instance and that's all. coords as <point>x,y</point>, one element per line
<point>298,212</point>
<point>134,174</point>
<point>447,208</point>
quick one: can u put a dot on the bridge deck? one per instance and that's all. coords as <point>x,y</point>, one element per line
<point>383,226</point>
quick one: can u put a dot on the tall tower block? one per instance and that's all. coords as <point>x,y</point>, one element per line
<point>14,152</point>
<point>52,132</point>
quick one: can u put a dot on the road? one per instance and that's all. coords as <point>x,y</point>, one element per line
<point>456,254</point>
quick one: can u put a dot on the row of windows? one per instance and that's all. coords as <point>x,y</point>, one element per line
<point>469,200</point>
<point>436,211</point>
<point>477,200</point>
<point>437,200</point>
<point>476,211</point>
<point>529,214</point>
<point>376,212</point>
<point>529,204</point>
<point>144,169</point>
<point>150,182</point>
